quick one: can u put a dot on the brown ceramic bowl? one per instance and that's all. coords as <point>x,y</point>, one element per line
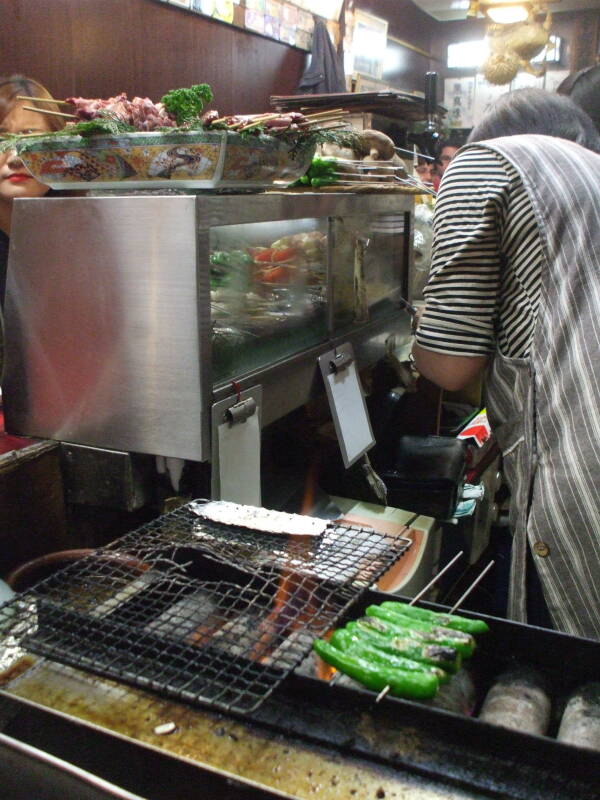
<point>28,574</point>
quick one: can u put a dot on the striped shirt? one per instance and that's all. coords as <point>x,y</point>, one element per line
<point>484,284</point>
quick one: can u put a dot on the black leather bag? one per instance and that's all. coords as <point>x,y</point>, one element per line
<point>427,475</point>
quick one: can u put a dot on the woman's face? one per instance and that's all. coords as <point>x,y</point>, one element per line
<point>15,181</point>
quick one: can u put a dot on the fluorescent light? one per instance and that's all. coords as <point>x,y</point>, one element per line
<point>505,15</point>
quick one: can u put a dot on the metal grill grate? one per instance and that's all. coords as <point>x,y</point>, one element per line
<point>201,611</point>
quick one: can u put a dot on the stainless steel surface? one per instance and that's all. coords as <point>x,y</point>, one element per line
<point>102,324</point>
<point>27,772</point>
<point>208,755</point>
<point>107,478</point>
<point>109,322</point>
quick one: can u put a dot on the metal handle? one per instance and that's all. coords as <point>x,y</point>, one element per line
<point>430,94</point>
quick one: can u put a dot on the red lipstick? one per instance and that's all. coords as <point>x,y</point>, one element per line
<point>18,178</point>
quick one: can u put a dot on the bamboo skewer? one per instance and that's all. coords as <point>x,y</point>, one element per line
<point>326,113</point>
<point>336,127</point>
<point>50,113</point>
<point>459,602</point>
<point>43,100</point>
<point>254,123</point>
<point>425,589</point>
<point>334,112</point>
<point>315,122</point>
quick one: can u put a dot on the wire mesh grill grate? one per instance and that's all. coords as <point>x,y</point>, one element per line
<point>204,612</point>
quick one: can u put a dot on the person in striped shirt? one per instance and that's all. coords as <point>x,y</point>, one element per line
<point>514,292</point>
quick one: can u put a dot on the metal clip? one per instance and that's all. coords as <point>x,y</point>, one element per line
<point>240,411</point>
<point>340,361</point>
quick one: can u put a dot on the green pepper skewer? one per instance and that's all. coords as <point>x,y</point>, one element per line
<point>402,683</point>
<point>354,645</point>
<point>472,626</point>
<point>436,655</point>
<point>463,642</point>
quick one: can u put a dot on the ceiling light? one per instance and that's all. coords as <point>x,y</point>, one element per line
<point>507,14</point>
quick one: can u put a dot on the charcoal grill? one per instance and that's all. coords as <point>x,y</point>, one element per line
<point>201,611</point>
<point>309,733</point>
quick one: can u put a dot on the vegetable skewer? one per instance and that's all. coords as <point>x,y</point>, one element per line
<point>379,645</point>
<point>386,689</point>
<point>423,591</point>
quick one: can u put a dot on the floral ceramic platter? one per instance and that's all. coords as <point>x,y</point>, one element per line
<point>184,159</point>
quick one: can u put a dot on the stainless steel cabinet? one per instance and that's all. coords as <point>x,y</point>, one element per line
<point>127,316</point>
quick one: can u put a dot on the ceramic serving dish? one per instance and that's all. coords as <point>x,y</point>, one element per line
<point>185,159</point>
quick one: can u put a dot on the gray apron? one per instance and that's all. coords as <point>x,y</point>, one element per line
<point>545,409</point>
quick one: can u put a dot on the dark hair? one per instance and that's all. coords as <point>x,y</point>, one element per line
<point>537,111</point>
<point>583,88</point>
<point>454,140</point>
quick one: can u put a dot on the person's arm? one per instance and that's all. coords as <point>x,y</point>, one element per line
<point>456,333</point>
<point>449,372</point>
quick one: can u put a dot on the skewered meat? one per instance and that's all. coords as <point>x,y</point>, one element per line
<point>145,115</point>
<point>272,123</point>
<point>140,112</point>
<point>209,117</point>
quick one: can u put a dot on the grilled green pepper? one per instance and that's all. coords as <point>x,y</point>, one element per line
<point>322,172</point>
<point>463,642</point>
<point>349,643</point>
<point>472,626</point>
<point>323,181</point>
<point>402,683</point>
<point>446,658</point>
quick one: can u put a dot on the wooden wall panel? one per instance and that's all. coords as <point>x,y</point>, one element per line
<point>100,47</point>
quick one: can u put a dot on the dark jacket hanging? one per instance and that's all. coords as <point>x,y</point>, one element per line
<point>325,73</point>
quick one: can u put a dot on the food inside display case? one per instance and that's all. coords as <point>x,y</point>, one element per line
<point>369,263</point>
<point>268,292</point>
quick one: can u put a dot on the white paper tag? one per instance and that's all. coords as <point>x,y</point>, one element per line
<point>348,406</point>
<point>239,461</point>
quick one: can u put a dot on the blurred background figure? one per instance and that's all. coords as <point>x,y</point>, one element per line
<point>425,171</point>
<point>15,181</point>
<point>583,88</point>
<point>446,153</point>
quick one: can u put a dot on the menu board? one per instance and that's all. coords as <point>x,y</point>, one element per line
<point>220,9</point>
<point>459,99</point>
<point>469,99</point>
<point>288,22</point>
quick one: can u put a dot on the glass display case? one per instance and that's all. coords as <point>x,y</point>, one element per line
<point>128,316</point>
<point>281,286</point>
<point>268,292</point>
<point>370,267</point>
